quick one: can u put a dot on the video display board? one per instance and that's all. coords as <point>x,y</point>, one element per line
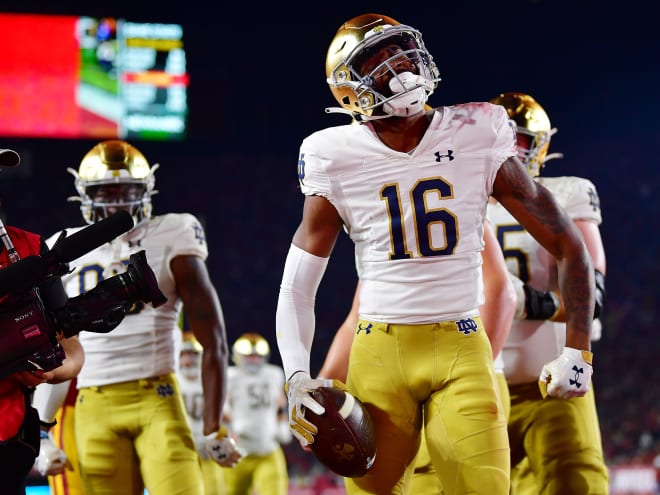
<point>87,77</point>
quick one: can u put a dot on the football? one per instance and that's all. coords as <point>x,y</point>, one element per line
<point>345,442</point>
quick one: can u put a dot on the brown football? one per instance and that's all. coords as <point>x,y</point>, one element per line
<point>345,442</point>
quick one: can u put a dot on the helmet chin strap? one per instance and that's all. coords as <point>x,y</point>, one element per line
<point>359,117</point>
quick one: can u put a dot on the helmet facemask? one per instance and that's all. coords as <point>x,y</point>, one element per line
<point>534,155</point>
<point>190,357</point>
<point>190,365</point>
<point>410,72</point>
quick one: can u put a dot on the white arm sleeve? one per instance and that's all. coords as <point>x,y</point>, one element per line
<point>295,320</point>
<point>48,398</point>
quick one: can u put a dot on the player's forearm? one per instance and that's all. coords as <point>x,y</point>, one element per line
<point>214,388</point>
<point>497,316</point>
<point>577,286</point>
<point>72,363</point>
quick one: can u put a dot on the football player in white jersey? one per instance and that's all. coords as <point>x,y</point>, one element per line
<point>131,430</point>
<point>410,186</point>
<point>256,413</point>
<point>189,373</point>
<point>497,314</point>
<point>560,441</point>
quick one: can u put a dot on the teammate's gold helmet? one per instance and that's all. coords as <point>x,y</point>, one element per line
<point>354,41</point>
<point>190,356</point>
<point>531,120</point>
<point>250,351</point>
<point>189,343</point>
<point>114,175</point>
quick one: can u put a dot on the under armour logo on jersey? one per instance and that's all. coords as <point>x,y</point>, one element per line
<point>439,157</point>
<point>366,329</point>
<point>594,201</point>
<point>165,390</point>
<point>199,233</point>
<point>466,326</point>
<point>138,243</point>
<point>576,380</point>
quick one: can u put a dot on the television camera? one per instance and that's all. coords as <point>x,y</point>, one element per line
<point>31,318</point>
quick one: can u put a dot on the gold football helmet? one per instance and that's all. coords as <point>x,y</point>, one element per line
<point>190,356</point>
<point>114,175</point>
<point>250,351</point>
<point>531,120</point>
<point>353,43</point>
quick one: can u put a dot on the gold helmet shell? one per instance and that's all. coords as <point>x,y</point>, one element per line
<point>190,357</point>
<point>531,120</point>
<point>114,162</point>
<point>189,343</point>
<point>353,90</point>
<point>249,345</point>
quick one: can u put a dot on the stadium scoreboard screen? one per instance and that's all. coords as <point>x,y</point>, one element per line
<point>88,77</point>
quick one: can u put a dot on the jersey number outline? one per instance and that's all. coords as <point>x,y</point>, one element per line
<point>424,217</point>
<point>97,269</point>
<point>517,254</point>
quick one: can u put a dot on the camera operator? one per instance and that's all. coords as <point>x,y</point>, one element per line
<point>19,422</point>
<point>128,428</point>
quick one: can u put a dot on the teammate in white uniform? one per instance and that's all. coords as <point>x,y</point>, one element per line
<point>410,187</point>
<point>256,413</point>
<point>560,440</point>
<point>131,429</point>
<point>189,374</point>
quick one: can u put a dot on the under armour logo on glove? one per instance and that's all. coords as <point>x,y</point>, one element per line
<point>222,448</point>
<point>576,380</point>
<point>567,376</point>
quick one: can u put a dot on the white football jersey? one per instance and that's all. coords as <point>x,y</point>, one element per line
<point>533,343</point>
<point>193,398</point>
<point>415,218</point>
<point>142,345</point>
<point>253,400</point>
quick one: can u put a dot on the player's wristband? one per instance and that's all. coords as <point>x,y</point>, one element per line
<point>46,424</point>
<point>540,305</point>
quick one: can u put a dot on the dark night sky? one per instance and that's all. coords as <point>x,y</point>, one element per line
<point>258,87</point>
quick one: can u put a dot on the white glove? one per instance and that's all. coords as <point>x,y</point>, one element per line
<point>567,376</point>
<point>283,433</point>
<point>222,448</point>
<point>297,389</point>
<point>51,460</point>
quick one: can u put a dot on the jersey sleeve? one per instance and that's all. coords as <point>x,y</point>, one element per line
<point>505,145</point>
<point>583,203</point>
<point>189,233</point>
<point>312,177</point>
<point>577,195</point>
